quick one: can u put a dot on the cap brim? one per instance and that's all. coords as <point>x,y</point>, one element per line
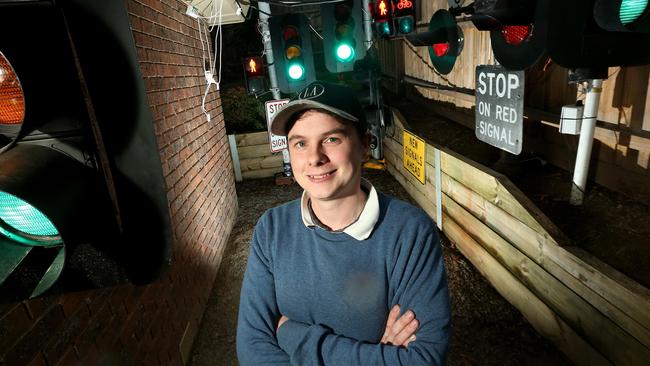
<point>280,120</point>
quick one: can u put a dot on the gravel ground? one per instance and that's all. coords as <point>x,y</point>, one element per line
<point>487,330</point>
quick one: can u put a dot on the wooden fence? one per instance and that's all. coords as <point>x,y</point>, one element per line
<point>594,315</point>
<point>255,157</point>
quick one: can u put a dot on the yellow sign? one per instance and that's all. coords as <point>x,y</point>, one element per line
<point>414,155</point>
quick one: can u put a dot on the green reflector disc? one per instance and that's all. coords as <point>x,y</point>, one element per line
<point>344,52</point>
<point>631,10</point>
<point>23,217</point>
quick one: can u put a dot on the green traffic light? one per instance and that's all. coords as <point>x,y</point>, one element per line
<point>383,28</point>
<point>406,25</point>
<point>295,71</point>
<point>344,52</point>
<point>631,10</point>
<point>24,223</point>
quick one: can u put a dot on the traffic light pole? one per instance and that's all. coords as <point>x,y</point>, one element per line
<point>265,11</point>
<point>586,141</point>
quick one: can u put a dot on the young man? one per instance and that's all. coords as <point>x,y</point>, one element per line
<point>345,275</point>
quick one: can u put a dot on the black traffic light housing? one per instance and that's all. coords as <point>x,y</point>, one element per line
<point>292,52</point>
<point>254,75</point>
<point>84,156</point>
<point>382,13</point>
<point>343,35</point>
<point>404,16</point>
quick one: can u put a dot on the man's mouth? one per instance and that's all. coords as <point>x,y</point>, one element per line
<point>320,177</point>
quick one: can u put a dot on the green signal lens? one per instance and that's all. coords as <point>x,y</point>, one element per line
<point>296,71</point>
<point>24,223</point>
<point>344,52</point>
<point>631,10</point>
<point>383,28</point>
<point>406,25</point>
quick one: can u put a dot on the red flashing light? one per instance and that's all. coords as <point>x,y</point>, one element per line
<point>516,34</point>
<point>440,49</point>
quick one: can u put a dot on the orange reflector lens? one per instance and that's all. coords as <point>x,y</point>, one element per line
<point>293,52</point>
<point>12,99</point>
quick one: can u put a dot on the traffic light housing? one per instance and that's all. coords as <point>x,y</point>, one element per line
<point>82,198</point>
<point>254,75</point>
<point>444,41</point>
<point>573,33</point>
<point>404,16</point>
<point>343,35</point>
<point>292,52</point>
<point>383,18</point>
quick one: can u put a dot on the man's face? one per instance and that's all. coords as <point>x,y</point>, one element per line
<point>326,156</point>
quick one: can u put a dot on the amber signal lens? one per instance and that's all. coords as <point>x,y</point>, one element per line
<point>12,99</point>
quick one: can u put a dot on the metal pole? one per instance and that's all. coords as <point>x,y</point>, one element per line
<point>586,141</point>
<point>265,10</point>
<point>367,23</point>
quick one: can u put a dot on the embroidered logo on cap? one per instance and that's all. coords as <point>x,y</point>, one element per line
<point>312,91</point>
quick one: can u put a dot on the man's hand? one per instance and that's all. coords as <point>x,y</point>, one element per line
<point>400,330</point>
<point>280,322</point>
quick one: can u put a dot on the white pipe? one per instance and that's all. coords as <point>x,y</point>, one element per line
<point>585,143</point>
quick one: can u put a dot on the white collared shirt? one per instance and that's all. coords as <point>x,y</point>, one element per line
<point>362,227</point>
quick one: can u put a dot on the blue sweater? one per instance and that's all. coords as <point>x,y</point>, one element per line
<point>337,291</point>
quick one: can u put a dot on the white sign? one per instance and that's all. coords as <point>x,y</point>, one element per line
<point>278,143</point>
<point>500,107</point>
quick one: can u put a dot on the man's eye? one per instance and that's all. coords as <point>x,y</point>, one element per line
<point>332,140</point>
<point>299,145</point>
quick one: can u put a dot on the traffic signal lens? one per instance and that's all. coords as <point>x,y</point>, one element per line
<point>342,12</point>
<point>296,71</point>
<point>12,99</point>
<point>383,28</point>
<point>293,52</point>
<point>516,34</point>
<point>440,49</point>
<point>631,10</point>
<point>344,52</point>
<point>24,223</point>
<point>405,25</point>
<point>289,32</point>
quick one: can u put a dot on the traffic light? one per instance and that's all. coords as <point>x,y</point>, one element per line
<point>517,30</point>
<point>82,198</point>
<point>383,18</point>
<point>254,74</point>
<point>292,51</point>
<point>343,35</point>
<point>404,16</point>
<point>576,34</point>
<point>444,40</point>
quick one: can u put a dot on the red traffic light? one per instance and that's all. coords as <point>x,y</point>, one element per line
<point>383,11</point>
<point>515,34</point>
<point>253,66</point>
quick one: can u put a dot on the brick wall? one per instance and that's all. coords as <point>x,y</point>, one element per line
<point>152,324</point>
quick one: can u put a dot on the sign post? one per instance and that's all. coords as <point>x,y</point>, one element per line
<point>278,143</point>
<point>500,107</point>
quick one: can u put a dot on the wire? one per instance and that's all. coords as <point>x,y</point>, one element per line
<point>410,46</point>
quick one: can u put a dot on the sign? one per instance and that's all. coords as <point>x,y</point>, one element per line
<point>278,143</point>
<point>414,155</point>
<point>500,107</point>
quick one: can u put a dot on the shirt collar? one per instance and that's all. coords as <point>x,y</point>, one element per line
<point>365,223</point>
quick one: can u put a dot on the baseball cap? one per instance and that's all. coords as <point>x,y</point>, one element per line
<point>337,99</point>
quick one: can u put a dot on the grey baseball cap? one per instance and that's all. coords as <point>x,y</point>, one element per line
<point>338,99</point>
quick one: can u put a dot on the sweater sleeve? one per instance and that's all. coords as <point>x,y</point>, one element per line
<point>418,282</point>
<point>258,309</point>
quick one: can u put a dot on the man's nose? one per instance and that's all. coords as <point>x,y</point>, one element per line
<point>317,155</point>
